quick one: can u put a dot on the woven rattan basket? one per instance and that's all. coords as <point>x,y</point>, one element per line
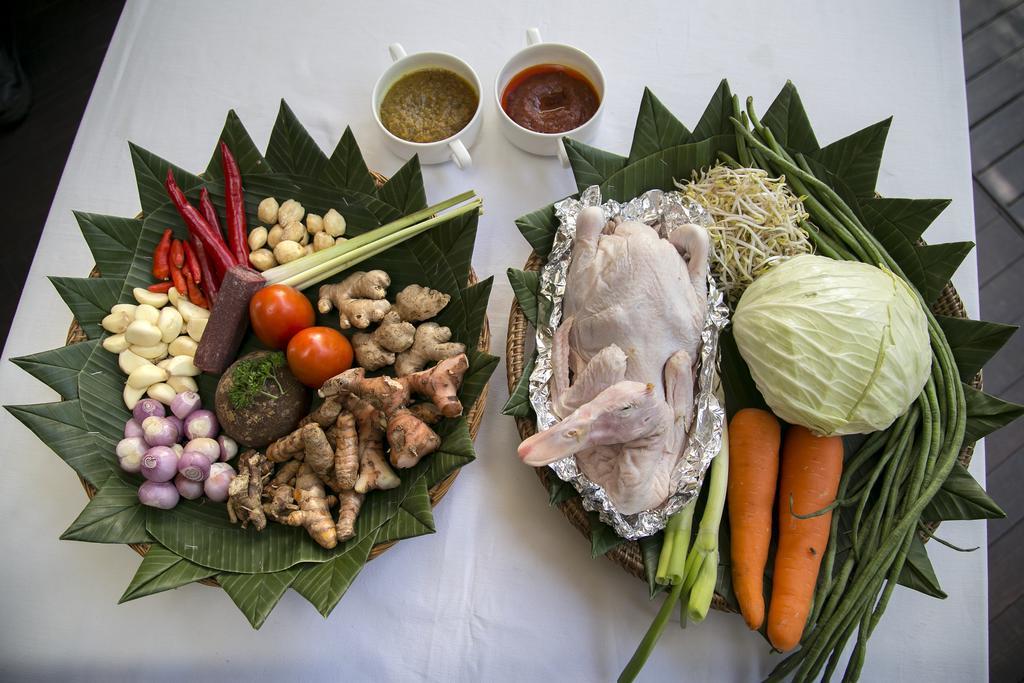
<point>627,555</point>
<point>437,492</point>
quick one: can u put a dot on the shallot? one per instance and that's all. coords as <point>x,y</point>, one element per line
<point>132,428</point>
<point>184,403</point>
<point>148,407</point>
<point>159,431</point>
<point>129,453</point>
<point>206,446</point>
<point>228,447</point>
<point>194,466</point>
<point>201,423</point>
<point>216,485</point>
<point>159,464</point>
<point>187,488</point>
<point>159,494</point>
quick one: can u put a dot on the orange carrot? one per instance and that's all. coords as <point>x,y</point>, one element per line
<point>811,468</point>
<point>754,437</point>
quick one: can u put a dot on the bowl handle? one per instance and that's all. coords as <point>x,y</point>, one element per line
<point>533,36</point>
<point>460,155</point>
<point>397,51</point>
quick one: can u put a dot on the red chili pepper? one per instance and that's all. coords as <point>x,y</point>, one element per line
<point>235,206</point>
<point>193,262</point>
<point>178,278</point>
<point>177,254</point>
<point>221,258</point>
<point>208,283</point>
<point>161,287</point>
<point>194,295</point>
<point>161,270</point>
<point>208,210</point>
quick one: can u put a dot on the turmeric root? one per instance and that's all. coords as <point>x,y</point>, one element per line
<point>410,439</point>
<point>313,513</point>
<point>318,454</point>
<point>374,471</point>
<point>349,510</point>
<point>377,350</point>
<point>346,452</point>
<point>359,299</point>
<point>441,384</point>
<point>325,414</point>
<point>430,344</point>
<point>285,474</point>
<point>246,489</point>
<point>416,303</point>
<point>288,447</point>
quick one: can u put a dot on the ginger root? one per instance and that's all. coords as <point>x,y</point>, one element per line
<point>376,350</point>
<point>410,439</point>
<point>246,489</point>
<point>430,344</point>
<point>359,299</point>
<point>441,384</point>
<point>374,471</point>
<point>349,510</point>
<point>416,303</point>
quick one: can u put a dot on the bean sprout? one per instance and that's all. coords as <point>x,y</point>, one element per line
<point>756,223</point>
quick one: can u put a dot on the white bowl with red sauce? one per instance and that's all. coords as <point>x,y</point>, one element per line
<point>546,92</point>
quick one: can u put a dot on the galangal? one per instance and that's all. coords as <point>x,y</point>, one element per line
<point>633,312</point>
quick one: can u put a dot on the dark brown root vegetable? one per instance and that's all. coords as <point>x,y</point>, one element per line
<point>259,400</point>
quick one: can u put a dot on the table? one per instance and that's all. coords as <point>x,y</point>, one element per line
<point>506,589</point>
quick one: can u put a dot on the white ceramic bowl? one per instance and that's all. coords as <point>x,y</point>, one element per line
<point>454,148</point>
<point>539,52</point>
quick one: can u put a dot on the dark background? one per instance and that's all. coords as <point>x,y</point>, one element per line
<point>61,44</point>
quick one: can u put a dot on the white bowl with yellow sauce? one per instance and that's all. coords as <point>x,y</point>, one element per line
<point>446,110</point>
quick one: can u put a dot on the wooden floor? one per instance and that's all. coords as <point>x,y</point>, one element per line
<point>993,37</point>
<point>62,46</point>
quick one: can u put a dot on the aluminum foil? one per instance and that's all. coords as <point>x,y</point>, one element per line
<point>664,211</point>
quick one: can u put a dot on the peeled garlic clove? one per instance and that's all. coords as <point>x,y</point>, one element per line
<point>142,333</point>
<point>144,376</point>
<point>181,384</point>
<point>127,309</point>
<point>196,327</point>
<point>190,311</point>
<point>267,211</point>
<point>173,296</point>
<point>115,343</point>
<point>182,366</point>
<point>132,396</point>
<point>154,299</point>
<point>128,361</point>
<point>116,323</point>
<point>170,323</point>
<point>162,392</point>
<point>182,346</point>
<point>155,352</point>
<point>148,313</point>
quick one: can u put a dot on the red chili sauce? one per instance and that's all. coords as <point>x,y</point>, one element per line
<point>550,98</point>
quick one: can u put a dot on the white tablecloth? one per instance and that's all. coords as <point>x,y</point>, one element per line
<point>506,589</point>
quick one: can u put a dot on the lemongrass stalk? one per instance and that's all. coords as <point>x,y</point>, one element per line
<point>310,277</point>
<point>278,273</point>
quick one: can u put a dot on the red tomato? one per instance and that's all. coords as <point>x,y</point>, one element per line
<point>318,353</point>
<point>278,312</point>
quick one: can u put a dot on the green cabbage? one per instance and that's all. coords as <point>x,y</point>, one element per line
<point>836,346</point>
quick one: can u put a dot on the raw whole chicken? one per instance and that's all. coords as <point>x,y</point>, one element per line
<point>633,312</point>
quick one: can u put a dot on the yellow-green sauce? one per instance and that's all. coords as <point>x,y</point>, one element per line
<point>428,105</point>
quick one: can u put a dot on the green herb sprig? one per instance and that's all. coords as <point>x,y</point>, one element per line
<point>250,377</point>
